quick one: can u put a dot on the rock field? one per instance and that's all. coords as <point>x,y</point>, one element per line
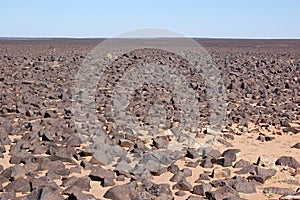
<point>256,154</point>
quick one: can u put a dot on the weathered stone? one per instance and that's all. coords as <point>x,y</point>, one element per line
<point>242,185</point>
<point>180,193</point>
<point>201,189</point>
<point>288,161</point>
<point>122,192</point>
<point>44,194</point>
<point>192,153</point>
<point>44,181</point>
<point>160,191</point>
<point>220,173</point>
<point>161,143</point>
<point>177,177</point>
<point>18,185</point>
<point>221,193</point>
<point>98,174</point>
<point>206,162</point>
<point>241,164</point>
<point>297,145</point>
<point>183,185</point>
<point>77,194</point>
<point>246,170</point>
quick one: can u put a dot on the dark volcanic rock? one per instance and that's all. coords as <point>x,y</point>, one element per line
<point>241,164</point>
<point>297,145</point>
<point>207,162</point>
<point>192,153</point>
<point>44,194</point>
<point>122,192</point>
<point>161,143</point>
<point>77,194</point>
<point>44,182</point>
<point>183,185</point>
<point>242,185</point>
<point>288,161</point>
<point>160,191</point>
<point>201,189</point>
<point>224,192</point>
<point>18,185</point>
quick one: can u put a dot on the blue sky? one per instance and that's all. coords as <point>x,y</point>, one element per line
<point>197,18</point>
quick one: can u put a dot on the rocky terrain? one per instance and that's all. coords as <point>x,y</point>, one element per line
<point>255,156</point>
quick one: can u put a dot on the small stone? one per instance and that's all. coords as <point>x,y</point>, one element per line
<point>177,177</point>
<point>44,194</point>
<point>214,153</point>
<point>201,189</point>
<point>246,170</point>
<point>288,161</point>
<point>206,162</point>
<point>242,185</point>
<point>126,143</point>
<point>173,168</point>
<point>161,143</point>
<point>187,172</point>
<point>122,192</point>
<point>223,193</point>
<point>231,151</point>
<point>107,181</point>
<point>120,178</point>
<point>297,145</point>
<point>183,185</point>
<point>220,173</point>
<point>192,153</point>
<point>180,193</point>
<point>18,185</point>
<point>204,176</point>
<point>77,194</point>
<point>161,191</point>
<point>241,164</point>
<point>98,174</point>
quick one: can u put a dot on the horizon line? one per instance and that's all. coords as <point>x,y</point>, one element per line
<point>193,37</point>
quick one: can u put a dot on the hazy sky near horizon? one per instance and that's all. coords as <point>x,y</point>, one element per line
<point>196,18</point>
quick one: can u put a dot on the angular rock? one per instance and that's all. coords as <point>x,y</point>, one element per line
<point>18,185</point>
<point>180,193</point>
<point>288,161</point>
<point>201,189</point>
<point>192,153</point>
<point>122,192</point>
<point>241,164</point>
<point>242,185</point>
<point>222,193</point>
<point>297,145</point>
<point>160,191</point>
<point>77,194</point>
<point>98,174</point>
<point>161,143</point>
<point>183,185</point>
<point>206,162</point>
<point>44,194</point>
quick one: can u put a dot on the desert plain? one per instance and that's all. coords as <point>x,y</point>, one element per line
<point>256,154</point>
